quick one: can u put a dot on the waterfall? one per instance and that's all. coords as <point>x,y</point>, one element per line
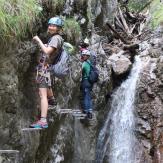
<point>116,141</point>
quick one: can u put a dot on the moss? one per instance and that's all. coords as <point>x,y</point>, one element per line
<point>156,11</point>
<point>72,30</point>
<point>16,17</point>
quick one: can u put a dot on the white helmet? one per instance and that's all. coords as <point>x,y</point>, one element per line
<point>86,52</point>
<point>86,41</point>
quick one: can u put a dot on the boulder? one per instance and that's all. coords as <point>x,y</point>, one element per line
<point>120,63</point>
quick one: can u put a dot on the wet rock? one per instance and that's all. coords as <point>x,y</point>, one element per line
<point>143,127</point>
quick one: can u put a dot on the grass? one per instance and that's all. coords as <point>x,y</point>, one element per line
<point>156,11</point>
<point>155,8</point>
<point>17,17</point>
<point>72,30</point>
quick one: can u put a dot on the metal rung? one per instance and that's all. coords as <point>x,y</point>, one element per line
<point>9,151</point>
<point>76,111</point>
<point>79,115</point>
<point>31,129</point>
<point>70,110</point>
<point>65,109</point>
<point>52,108</point>
<point>65,112</point>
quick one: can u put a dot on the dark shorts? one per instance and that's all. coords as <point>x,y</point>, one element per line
<point>44,82</point>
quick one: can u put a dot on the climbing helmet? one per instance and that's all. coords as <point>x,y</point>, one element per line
<point>86,41</point>
<point>56,21</point>
<point>86,52</point>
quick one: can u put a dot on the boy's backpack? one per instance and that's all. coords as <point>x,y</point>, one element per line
<point>60,68</point>
<point>93,57</point>
<point>93,75</point>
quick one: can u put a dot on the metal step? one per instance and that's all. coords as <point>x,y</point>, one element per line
<point>52,107</point>
<point>64,111</point>
<point>77,111</point>
<point>71,111</point>
<point>79,115</point>
<point>32,129</point>
<point>9,151</point>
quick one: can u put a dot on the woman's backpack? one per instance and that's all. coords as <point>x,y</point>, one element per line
<point>60,68</point>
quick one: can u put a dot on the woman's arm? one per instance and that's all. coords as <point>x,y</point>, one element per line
<point>47,50</point>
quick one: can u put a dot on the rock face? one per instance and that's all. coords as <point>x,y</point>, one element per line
<point>19,107</point>
<point>150,103</point>
<point>91,13</point>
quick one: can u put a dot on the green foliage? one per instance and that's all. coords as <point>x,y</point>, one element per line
<point>70,49</point>
<point>136,5</point>
<point>58,4</point>
<point>16,17</point>
<point>156,13</point>
<point>72,30</point>
<point>54,6</point>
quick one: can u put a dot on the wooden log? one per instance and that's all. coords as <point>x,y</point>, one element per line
<point>116,33</point>
<point>124,21</point>
<point>131,47</point>
<point>119,23</point>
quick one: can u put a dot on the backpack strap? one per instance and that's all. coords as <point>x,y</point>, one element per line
<point>59,53</point>
<point>90,64</point>
<point>58,57</point>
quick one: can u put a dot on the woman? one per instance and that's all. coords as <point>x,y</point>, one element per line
<point>50,52</point>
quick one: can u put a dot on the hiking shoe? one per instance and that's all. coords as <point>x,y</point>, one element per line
<point>52,102</point>
<point>89,115</point>
<point>84,112</point>
<point>39,124</point>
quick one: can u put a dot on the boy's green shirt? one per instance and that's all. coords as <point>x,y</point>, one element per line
<point>86,69</point>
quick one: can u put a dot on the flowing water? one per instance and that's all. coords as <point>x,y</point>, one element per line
<point>116,141</point>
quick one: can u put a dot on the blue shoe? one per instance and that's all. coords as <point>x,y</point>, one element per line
<point>39,124</point>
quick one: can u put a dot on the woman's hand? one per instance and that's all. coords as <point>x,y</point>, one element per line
<point>36,38</point>
<point>47,50</point>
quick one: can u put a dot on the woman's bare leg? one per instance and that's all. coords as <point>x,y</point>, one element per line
<point>44,102</point>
